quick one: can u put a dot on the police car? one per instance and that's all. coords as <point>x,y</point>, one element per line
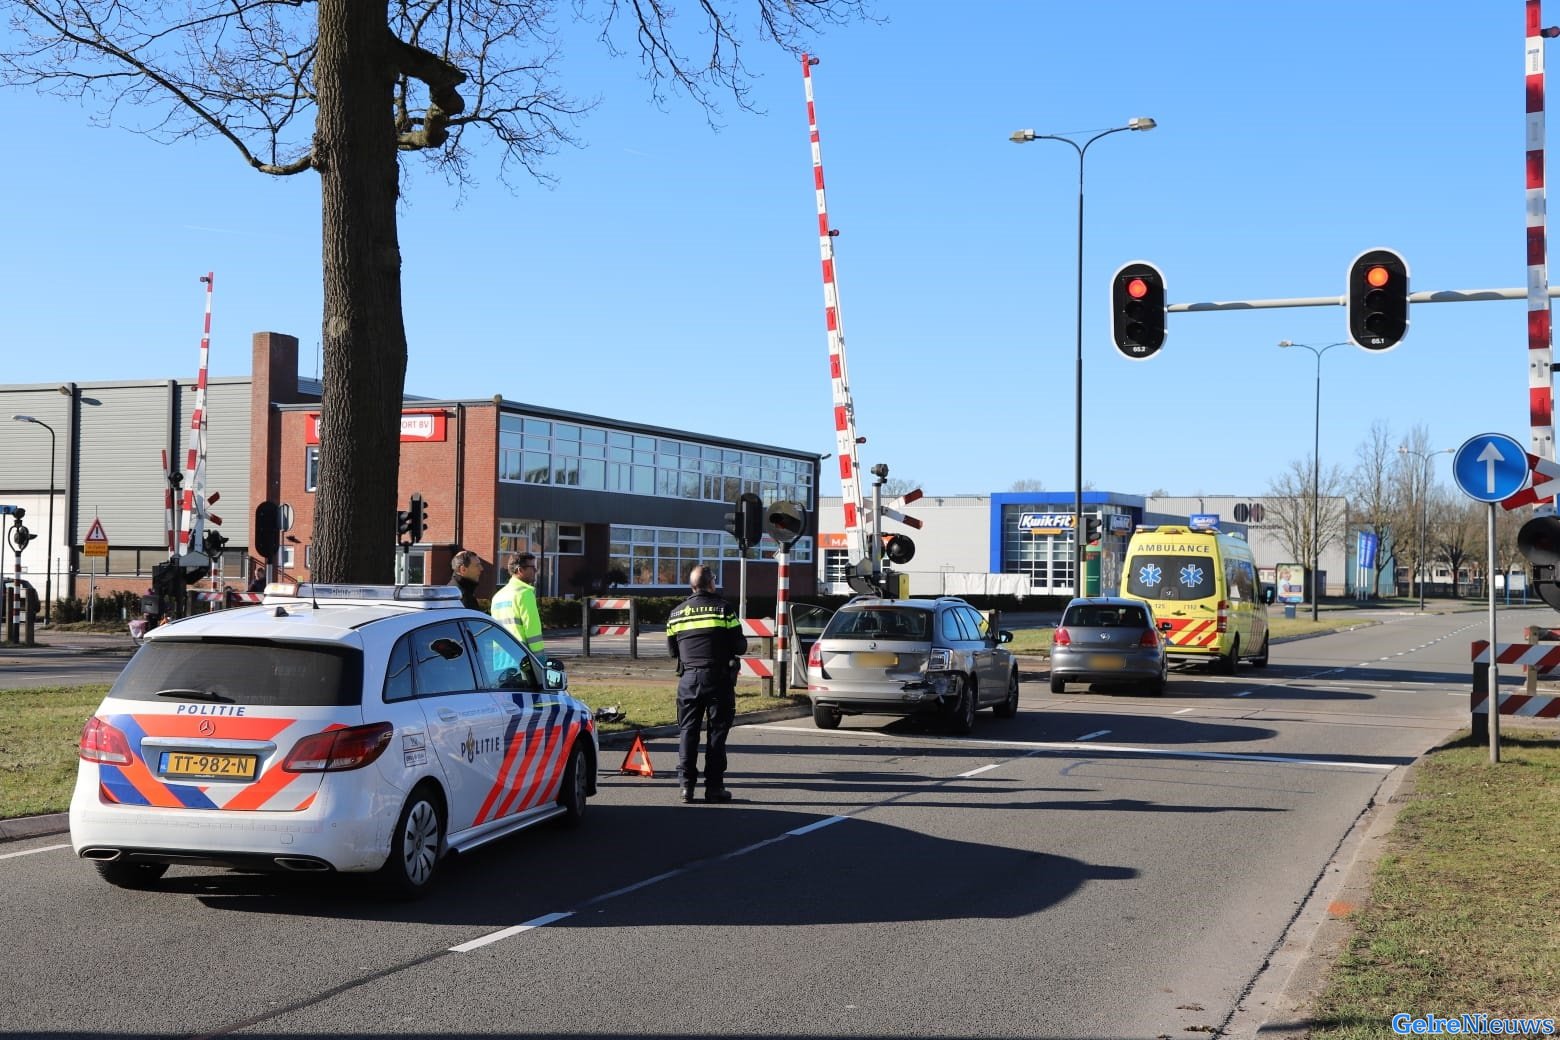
<point>363,729</point>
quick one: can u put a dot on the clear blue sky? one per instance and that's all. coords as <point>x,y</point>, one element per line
<point>672,275</point>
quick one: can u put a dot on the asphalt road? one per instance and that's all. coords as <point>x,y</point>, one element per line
<point>1104,865</point>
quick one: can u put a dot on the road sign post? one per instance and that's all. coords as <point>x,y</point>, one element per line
<point>1488,468</point>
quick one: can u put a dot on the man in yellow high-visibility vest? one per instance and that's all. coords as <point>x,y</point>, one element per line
<point>514,606</point>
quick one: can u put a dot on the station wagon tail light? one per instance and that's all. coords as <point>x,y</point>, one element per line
<point>101,742</point>
<point>1224,615</point>
<point>1061,638</point>
<point>939,660</point>
<point>815,656</point>
<point>337,750</point>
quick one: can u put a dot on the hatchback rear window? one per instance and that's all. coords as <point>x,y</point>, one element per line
<point>1170,577</point>
<point>880,623</point>
<point>258,672</point>
<point>1095,615</point>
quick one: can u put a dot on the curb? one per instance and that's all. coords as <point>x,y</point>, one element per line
<point>33,826</point>
<point>1278,1004</point>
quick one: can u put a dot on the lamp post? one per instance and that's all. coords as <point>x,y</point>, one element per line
<point>1424,507</point>
<point>48,556</point>
<point>1021,137</point>
<point>1316,475</point>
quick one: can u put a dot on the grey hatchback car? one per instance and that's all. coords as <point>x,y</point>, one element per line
<point>908,657</point>
<point>1108,639</point>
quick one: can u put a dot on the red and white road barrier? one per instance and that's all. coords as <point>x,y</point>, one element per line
<point>1542,659</point>
<point>609,630</point>
<point>757,667</point>
<point>762,628</point>
<point>1519,704</point>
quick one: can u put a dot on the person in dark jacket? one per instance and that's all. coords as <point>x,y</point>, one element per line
<point>705,637</point>
<point>468,573</point>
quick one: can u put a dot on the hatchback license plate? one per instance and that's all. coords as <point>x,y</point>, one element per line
<point>1107,661</point>
<point>187,766</point>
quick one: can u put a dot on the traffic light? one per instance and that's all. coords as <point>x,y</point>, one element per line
<point>1091,529</point>
<point>1378,299</point>
<point>268,530</point>
<point>746,523</point>
<point>899,549</point>
<point>1137,309</point>
<point>417,519</point>
<point>1539,541</point>
<point>214,543</point>
<point>403,523</point>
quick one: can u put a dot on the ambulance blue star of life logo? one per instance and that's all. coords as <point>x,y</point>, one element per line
<point>1191,575</point>
<point>1150,575</point>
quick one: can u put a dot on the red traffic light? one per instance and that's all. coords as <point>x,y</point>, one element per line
<point>1137,288</point>
<point>1378,276</point>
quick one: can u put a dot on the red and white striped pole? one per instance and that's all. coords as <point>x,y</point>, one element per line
<point>193,520</point>
<point>1540,374</point>
<point>782,621</point>
<point>856,536</point>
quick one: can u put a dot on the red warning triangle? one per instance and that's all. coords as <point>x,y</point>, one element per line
<point>638,758</point>
<point>96,533</point>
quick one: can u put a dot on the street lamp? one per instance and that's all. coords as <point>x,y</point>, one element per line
<point>1316,478</point>
<point>48,556</point>
<point>1021,137</point>
<point>1424,507</point>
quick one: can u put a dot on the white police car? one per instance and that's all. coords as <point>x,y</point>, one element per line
<point>330,728</point>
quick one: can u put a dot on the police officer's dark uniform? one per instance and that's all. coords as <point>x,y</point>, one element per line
<point>705,637</point>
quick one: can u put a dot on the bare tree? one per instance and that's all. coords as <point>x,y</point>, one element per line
<point>382,81</point>
<point>1028,484</point>
<point>1375,492</point>
<point>1290,500</point>
<point>1461,533</point>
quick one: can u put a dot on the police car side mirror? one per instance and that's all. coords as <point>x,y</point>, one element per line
<point>554,677</point>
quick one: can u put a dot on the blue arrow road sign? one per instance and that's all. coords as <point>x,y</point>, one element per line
<point>1490,467</point>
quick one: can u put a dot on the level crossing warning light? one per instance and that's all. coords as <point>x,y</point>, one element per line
<point>1137,309</point>
<point>1378,299</point>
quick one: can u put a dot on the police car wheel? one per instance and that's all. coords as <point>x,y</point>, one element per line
<point>571,795</point>
<point>415,845</point>
<point>131,875</point>
<point>1008,707</point>
<point>825,718</point>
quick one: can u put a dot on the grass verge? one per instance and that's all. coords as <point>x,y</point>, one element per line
<point>1461,917</point>
<point>39,730</point>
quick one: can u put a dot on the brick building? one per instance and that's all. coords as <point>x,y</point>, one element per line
<point>597,499</point>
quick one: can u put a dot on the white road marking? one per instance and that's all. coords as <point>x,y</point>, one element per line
<point>977,772</point>
<point>1245,693</point>
<point>29,852</point>
<point>1091,736</point>
<point>1183,711</point>
<point>493,937</point>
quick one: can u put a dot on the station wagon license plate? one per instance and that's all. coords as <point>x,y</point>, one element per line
<point>873,659</point>
<point>1107,662</point>
<point>184,765</point>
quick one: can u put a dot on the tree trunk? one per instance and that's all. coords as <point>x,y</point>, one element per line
<point>364,337</point>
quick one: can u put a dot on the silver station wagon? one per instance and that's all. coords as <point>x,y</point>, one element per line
<point>911,656</point>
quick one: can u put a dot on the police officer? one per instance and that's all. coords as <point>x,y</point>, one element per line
<point>705,637</point>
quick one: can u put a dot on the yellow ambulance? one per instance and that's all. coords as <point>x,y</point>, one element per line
<point>1203,587</point>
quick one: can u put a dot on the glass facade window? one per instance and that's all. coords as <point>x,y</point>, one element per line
<point>1047,559</point>
<point>311,468</point>
<point>664,555</point>
<point>538,451</point>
